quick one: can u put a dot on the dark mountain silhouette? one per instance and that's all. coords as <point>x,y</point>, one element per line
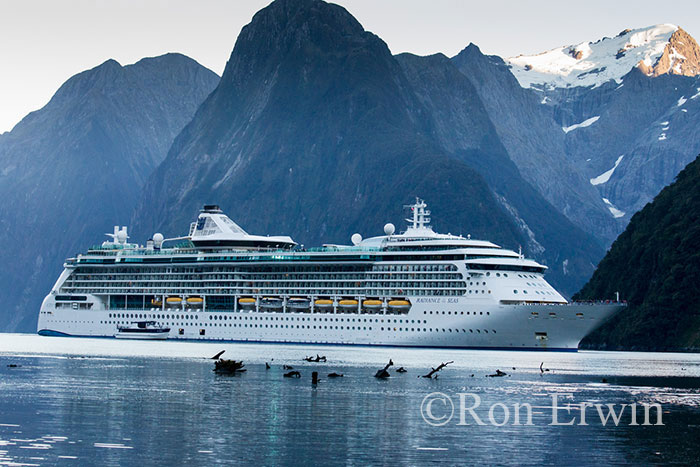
<point>318,131</point>
<point>655,265</point>
<point>77,166</point>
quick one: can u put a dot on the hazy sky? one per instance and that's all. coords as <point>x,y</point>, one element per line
<point>45,42</point>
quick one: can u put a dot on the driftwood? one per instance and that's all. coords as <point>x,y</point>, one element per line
<point>316,359</point>
<point>384,372</point>
<point>292,374</point>
<point>435,370</point>
<point>228,367</point>
<point>216,357</point>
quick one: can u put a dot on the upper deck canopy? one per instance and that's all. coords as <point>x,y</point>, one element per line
<point>214,229</point>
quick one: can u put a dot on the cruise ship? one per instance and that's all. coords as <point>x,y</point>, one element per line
<point>415,288</point>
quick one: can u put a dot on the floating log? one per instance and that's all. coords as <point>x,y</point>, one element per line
<point>435,370</point>
<point>228,367</point>
<point>315,359</point>
<point>384,372</point>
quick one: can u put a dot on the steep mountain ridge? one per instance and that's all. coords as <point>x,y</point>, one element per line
<point>460,123</point>
<point>598,146</point>
<point>655,265</point>
<point>535,142</point>
<point>316,124</point>
<point>75,167</point>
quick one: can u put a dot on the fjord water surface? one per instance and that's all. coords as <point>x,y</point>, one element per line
<point>73,401</point>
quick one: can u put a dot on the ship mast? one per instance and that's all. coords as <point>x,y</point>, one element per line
<point>420,219</point>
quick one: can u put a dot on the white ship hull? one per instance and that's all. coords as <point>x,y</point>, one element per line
<point>459,324</point>
<point>418,288</point>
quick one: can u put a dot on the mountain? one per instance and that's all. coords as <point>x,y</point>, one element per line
<point>318,131</point>
<point>655,265</point>
<point>75,167</point>
<point>654,50</point>
<point>599,128</point>
<point>535,142</point>
<point>459,121</point>
<point>314,131</point>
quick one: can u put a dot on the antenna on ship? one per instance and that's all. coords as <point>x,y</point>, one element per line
<point>420,219</point>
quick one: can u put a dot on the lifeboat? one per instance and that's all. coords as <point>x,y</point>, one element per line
<point>173,301</point>
<point>195,301</point>
<point>399,306</point>
<point>246,303</point>
<point>271,303</point>
<point>348,305</point>
<point>323,304</point>
<point>372,304</point>
<point>299,303</point>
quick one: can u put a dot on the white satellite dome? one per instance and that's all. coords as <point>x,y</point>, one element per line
<point>356,239</point>
<point>389,229</point>
<point>157,239</point>
<point>121,236</point>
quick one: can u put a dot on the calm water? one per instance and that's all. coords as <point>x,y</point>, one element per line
<point>109,402</point>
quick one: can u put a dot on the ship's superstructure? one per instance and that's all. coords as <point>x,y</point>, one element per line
<point>416,288</point>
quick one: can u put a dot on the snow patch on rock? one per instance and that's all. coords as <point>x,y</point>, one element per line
<point>616,213</point>
<point>583,124</point>
<point>605,176</point>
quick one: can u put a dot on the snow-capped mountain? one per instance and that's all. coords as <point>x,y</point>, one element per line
<point>655,50</point>
<point>598,127</point>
